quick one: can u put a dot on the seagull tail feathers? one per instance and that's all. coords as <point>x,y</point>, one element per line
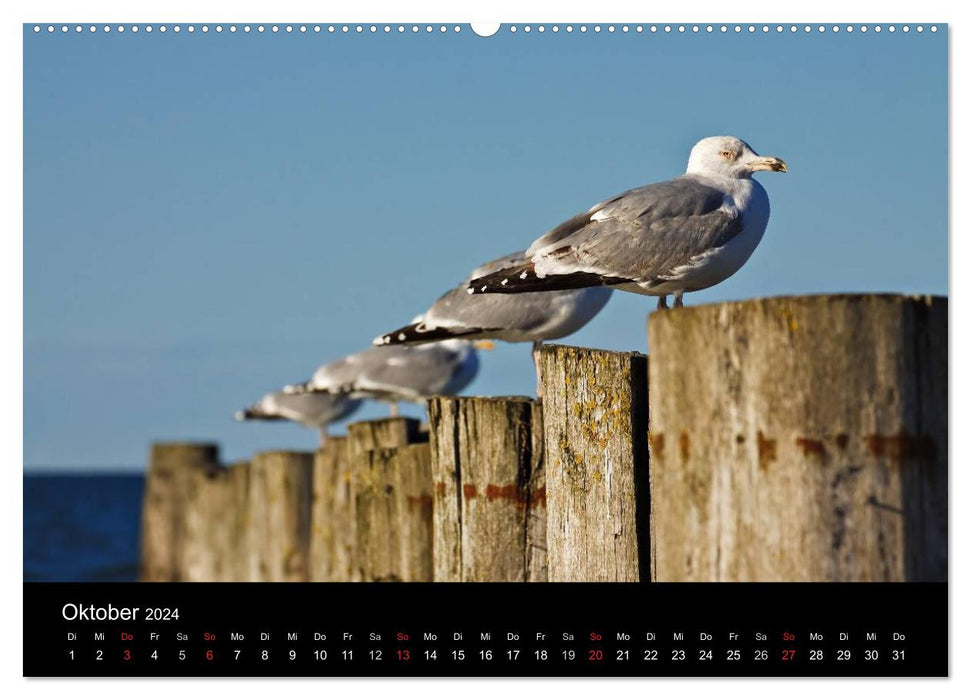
<point>256,414</point>
<point>523,278</point>
<point>418,333</point>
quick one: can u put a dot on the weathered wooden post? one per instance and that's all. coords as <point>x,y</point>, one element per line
<point>800,439</point>
<point>205,524</point>
<point>171,466</point>
<point>394,514</point>
<point>595,426</point>
<point>278,527</point>
<point>235,521</point>
<point>490,489</point>
<point>332,543</point>
<point>387,432</point>
<point>362,438</point>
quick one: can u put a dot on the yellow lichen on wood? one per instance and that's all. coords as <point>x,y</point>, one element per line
<point>595,423</point>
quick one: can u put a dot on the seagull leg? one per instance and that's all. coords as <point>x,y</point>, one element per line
<point>394,410</point>
<point>678,300</point>
<point>662,303</point>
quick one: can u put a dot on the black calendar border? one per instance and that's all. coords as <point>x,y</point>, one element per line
<point>442,608</point>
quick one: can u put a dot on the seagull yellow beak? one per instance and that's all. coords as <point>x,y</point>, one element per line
<point>484,345</point>
<point>776,165</point>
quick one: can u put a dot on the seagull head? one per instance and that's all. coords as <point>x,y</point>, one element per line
<point>729,156</point>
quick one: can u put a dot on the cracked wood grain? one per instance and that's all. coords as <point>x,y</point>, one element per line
<point>800,439</point>
<point>278,507</point>
<point>489,489</point>
<point>595,427</point>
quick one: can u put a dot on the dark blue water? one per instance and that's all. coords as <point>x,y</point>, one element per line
<point>81,528</point>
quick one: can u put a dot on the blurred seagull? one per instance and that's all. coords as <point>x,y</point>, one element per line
<point>311,410</point>
<point>670,237</point>
<point>531,317</point>
<point>397,373</point>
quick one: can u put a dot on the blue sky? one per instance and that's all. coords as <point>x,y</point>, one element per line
<point>208,217</point>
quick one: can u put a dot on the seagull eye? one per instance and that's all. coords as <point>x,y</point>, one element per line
<point>727,155</point>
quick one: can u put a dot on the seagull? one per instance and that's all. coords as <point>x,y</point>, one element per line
<point>311,410</point>
<point>669,237</point>
<point>532,317</point>
<point>397,373</point>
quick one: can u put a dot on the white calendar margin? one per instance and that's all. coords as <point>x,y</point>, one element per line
<point>11,308</point>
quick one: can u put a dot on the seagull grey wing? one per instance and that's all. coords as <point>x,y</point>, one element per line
<point>454,315</point>
<point>457,315</point>
<point>315,409</point>
<point>341,375</point>
<point>564,231</point>
<point>410,372</point>
<point>642,236</point>
<point>513,319</point>
<point>647,234</point>
<point>264,409</point>
<point>488,313</point>
<point>495,265</point>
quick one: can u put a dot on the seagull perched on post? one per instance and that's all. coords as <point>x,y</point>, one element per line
<point>398,373</point>
<point>671,237</point>
<point>310,410</point>
<point>531,317</point>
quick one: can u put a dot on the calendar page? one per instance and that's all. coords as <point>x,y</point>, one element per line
<point>519,349</point>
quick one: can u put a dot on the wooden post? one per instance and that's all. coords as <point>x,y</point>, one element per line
<point>490,489</point>
<point>800,439</point>
<point>235,519</point>
<point>171,466</point>
<point>206,521</point>
<point>362,438</point>
<point>387,432</point>
<point>394,514</point>
<point>278,529</point>
<point>595,425</point>
<point>332,521</point>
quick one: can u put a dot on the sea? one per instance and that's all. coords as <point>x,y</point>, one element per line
<point>82,527</point>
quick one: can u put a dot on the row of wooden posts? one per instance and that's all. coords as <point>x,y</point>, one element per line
<point>785,439</point>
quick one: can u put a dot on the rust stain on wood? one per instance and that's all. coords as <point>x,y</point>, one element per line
<point>657,443</point>
<point>469,491</point>
<point>538,497</point>
<point>685,445</point>
<point>509,492</point>
<point>514,494</point>
<point>855,476</point>
<point>423,500</point>
<point>901,446</point>
<point>767,451</point>
<point>439,488</point>
<point>811,447</point>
